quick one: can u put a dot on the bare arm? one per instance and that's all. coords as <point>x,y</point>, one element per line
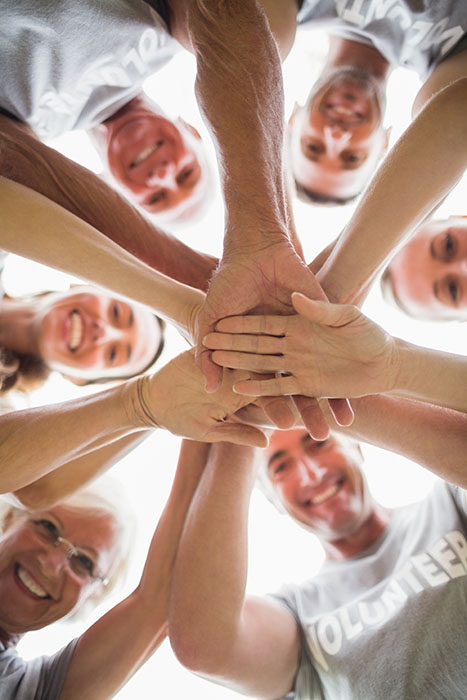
<point>432,436</point>
<point>71,476</point>
<point>26,160</point>
<point>173,398</point>
<point>406,188</point>
<point>248,644</point>
<point>117,645</point>
<point>35,227</point>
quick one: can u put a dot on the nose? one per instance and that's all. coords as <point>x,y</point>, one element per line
<point>162,173</point>
<point>310,471</point>
<point>53,561</point>
<point>102,332</point>
<point>335,138</point>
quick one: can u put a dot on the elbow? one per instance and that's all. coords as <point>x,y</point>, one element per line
<point>196,651</point>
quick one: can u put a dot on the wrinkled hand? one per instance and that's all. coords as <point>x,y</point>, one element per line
<point>175,399</point>
<point>327,350</point>
<point>259,282</point>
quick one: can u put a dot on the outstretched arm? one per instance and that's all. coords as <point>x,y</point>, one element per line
<point>173,398</point>
<point>26,160</point>
<point>405,189</point>
<point>118,644</point>
<point>35,227</point>
<point>249,644</point>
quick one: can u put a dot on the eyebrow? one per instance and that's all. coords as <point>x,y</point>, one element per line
<point>433,249</point>
<point>436,289</point>
<point>131,317</point>
<point>128,352</point>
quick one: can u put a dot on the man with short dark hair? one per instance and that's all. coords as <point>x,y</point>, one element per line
<point>385,617</point>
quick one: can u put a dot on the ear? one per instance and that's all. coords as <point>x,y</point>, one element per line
<point>194,132</point>
<point>295,111</point>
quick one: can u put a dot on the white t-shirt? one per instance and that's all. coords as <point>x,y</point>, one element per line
<point>390,624</point>
<point>70,65</point>
<point>416,34</point>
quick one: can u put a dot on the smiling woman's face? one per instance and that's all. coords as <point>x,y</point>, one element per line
<point>37,584</point>
<point>89,334</point>
<point>429,275</point>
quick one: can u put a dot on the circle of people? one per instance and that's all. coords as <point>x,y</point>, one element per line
<point>285,374</point>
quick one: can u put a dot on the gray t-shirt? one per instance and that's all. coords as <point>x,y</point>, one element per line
<point>390,624</point>
<point>70,65</point>
<point>39,679</point>
<point>416,34</point>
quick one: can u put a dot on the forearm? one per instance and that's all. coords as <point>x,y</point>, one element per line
<point>60,483</point>
<point>103,660</point>
<point>210,573</point>
<point>35,227</point>
<point>26,160</point>
<point>34,442</point>
<point>434,437</point>
<point>239,90</point>
<point>430,375</point>
<point>406,188</point>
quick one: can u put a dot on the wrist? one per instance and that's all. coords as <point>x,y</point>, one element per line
<point>136,399</point>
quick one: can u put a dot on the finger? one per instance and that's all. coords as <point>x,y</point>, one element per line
<point>244,360</point>
<point>212,372</point>
<point>271,325</point>
<point>277,386</point>
<point>237,433</point>
<point>312,416</point>
<point>342,411</point>
<point>279,409</point>
<point>323,312</point>
<point>258,344</point>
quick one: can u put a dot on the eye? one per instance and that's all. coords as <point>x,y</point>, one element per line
<point>185,175</point>
<point>453,290</point>
<point>348,157</point>
<point>115,311</point>
<point>314,148</point>
<point>112,355</point>
<point>46,529</point>
<point>81,564</point>
<point>449,246</point>
<point>157,197</point>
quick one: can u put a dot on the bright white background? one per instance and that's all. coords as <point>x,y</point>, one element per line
<point>279,550</point>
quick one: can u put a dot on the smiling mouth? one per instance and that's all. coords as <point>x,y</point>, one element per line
<point>30,584</point>
<point>146,153</point>
<point>75,335</point>
<point>325,495</point>
<point>343,114</point>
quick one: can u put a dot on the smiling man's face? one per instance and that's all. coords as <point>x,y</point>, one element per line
<point>159,162</point>
<point>319,483</point>
<point>337,139</point>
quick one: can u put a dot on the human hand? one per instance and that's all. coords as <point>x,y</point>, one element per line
<point>328,350</point>
<point>261,281</point>
<point>174,398</point>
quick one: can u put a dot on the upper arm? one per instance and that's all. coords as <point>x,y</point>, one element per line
<point>447,72</point>
<point>263,658</point>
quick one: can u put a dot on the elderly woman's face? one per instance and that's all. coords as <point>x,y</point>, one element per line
<point>429,274</point>
<point>39,583</point>
<point>89,334</point>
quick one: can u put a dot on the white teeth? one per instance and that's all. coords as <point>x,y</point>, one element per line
<point>30,584</point>
<point>325,495</point>
<point>149,150</point>
<point>339,109</point>
<point>76,330</point>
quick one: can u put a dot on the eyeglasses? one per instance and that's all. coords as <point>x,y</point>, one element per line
<point>80,563</point>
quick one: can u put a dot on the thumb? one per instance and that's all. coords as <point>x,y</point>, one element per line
<point>324,312</point>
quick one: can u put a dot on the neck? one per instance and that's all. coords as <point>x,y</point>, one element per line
<point>9,639</point>
<point>19,326</point>
<point>344,52</point>
<point>368,533</point>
